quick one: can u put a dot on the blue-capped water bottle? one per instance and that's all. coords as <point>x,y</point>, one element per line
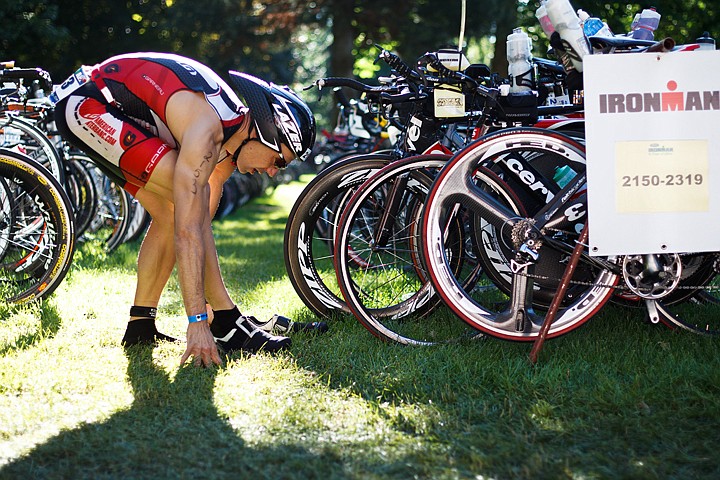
<point>593,26</point>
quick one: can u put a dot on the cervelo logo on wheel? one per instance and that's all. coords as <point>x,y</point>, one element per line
<point>668,101</point>
<point>320,292</point>
<point>516,166</point>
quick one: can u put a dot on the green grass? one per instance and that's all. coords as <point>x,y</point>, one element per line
<point>616,399</point>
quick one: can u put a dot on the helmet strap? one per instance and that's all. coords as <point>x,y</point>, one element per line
<point>243,143</point>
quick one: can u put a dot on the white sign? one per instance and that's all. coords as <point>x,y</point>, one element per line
<point>449,102</point>
<point>653,152</point>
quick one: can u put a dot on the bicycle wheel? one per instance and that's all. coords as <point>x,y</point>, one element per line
<point>7,217</point>
<point>377,258</point>
<point>112,221</point>
<point>38,229</point>
<point>139,221</point>
<point>23,136</point>
<point>310,231</point>
<point>513,310</point>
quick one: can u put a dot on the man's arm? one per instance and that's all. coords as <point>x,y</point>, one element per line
<point>199,132</point>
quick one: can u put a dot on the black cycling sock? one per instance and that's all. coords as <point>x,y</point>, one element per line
<point>143,330</point>
<point>224,321</point>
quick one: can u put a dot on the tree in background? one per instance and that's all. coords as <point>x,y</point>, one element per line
<point>30,31</point>
<point>291,41</point>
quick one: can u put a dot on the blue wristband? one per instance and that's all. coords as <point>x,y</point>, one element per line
<point>197,318</point>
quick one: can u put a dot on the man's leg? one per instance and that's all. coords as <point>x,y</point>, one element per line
<point>156,261</point>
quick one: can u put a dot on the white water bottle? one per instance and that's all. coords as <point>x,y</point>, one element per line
<point>547,26</point>
<point>647,23</point>
<point>519,59</point>
<point>545,23</point>
<point>567,24</point>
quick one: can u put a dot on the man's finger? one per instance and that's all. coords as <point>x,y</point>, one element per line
<point>185,356</point>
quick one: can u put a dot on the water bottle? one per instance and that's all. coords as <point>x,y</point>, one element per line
<point>646,25</point>
<point>706,42</point>
<point>567,24</point>
<point>545,23</point>
<point>593,25</point>
<point>547,26</point>
<point>563,175</point>
<point>519,59</point>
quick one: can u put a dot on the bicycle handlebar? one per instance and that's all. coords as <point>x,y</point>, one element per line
<point>351,83</point>
<point>342,98</point>
<point>399,65</point>
<point>457,76</point>
<point>385,93</point>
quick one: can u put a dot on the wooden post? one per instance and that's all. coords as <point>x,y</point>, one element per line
<point>559,294</point>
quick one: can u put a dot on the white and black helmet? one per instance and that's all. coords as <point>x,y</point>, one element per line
<point>279,115</point>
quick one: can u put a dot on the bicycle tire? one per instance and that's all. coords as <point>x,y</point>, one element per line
<point>42,238</point>
<point>457,182</point>
<point>309,232</point>
<point>7,217</point>
<point>16,132</point>
<point>139,221</point>
<point>377,258</point>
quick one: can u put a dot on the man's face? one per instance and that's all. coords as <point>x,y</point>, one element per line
<point>258,158</point>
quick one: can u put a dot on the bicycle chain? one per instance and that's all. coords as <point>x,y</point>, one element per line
<point>619,287</point>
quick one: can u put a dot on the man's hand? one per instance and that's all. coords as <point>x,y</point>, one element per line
<point>201,345</point>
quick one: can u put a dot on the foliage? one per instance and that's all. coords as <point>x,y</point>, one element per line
<point>29,29</point>
<point>291,41</point>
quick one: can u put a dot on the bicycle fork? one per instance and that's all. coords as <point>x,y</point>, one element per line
<point>387,219</point>
<point>520,312</point>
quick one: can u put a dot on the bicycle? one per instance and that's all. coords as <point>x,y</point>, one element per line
<point>309,234</point>
<point>28,127</point>
<point>37,236</point>
<point>525,254</point>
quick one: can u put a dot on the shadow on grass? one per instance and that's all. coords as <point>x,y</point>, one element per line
<point>172,430</point>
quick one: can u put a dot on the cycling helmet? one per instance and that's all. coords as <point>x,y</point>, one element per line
<point>279,115</point>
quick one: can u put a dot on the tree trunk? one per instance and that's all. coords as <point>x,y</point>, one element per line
<point>341,51</point>
<point>504,24</point>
